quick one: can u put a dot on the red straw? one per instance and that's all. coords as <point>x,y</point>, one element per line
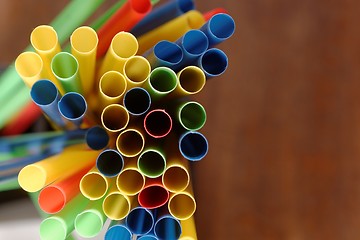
<point>154,194</point>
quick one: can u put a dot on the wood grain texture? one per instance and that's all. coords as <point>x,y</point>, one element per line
<point>283,121</point>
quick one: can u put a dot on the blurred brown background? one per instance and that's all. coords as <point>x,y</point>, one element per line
<point>283,121</point>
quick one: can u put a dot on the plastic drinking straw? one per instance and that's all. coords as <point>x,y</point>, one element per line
<point>30,68</point>
<point>193,44</point>
<point>188,229</point>
<point>193,145</point>
<point>182,205</point>
<point>116,205</point>
<point>130,181</point>
<point>137,101</point>
<point>164,54</point>
<point>72,107</point>
<point>218,28</point>
<point>148,237</point>
<point>54,197</point>
<point>45,94</point>
<point>59,226</point>
<point>115,118</point>
<point>100,21</point>
<point>96,138</point>
<point>167,227</point>
<point>118,231</point>
<point>151,163</point>
<point>110,163</point>
<point>213,62</point>
<point>123,46</point>
<point>157,123</point>
<point>94,185</point>
<point>161,82</point>
<point>65,67</point>
<point>89,222</point>
<point>140,221</point>
<point>191,20</point>
<point>191,115</point>
<point>122,20</point>
<point>130,142</point>
<point>35,176</point>
<point>191,81</point>
<point>136,71</point>
<point>112,87</point>
<point>213,12</point>
<point>161,15</point>
<point>9,184</point>
<point>153,195</point>
<point>84,43</point>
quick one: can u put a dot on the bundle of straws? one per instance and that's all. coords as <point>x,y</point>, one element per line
<point>125,130</point>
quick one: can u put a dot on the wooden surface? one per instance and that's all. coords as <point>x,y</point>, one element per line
<point>283,121</point>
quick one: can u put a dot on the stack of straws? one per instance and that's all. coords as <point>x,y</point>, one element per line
<point>126,131</point>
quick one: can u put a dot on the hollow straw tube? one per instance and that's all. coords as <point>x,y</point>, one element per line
<point>140,221</point>
<point>137,101</point>
<point>110,163</point>
<point>35,176</point>
<point>122,20</point>
<point>59,226</point>
<point>130,180</point>
<point>118,231</point>
<point>153,195</point>
<point>191,20</point>
<point>193,145</point>
<point>123,46</point>
<point>94,185</point>
<point>89,222</point>
<point>191,80</point>
<point>100,21</point>
<point>112,87</point>
<point>161,15</point>
<point>191,115</point>
<point>30,68</point>
<point>167,227</point>
<point>182,205</point>
<point>96,138</point>
<point>188,229</point>
<point>136,71</point>
<point>54,197</point>
<point>151,163</point>
<point>45,94</point>
<point>65,67</point>
<point>84,41</point>
<point>130,142</point>
<point>115,118</point>
<point>148,237</point>
<point>213,62</point>
<point>157,123</point>
<point>72,107</point>
<point>218,28</point>
<point>116,205</point>
<point>164,54</point>
<point>161,82</point>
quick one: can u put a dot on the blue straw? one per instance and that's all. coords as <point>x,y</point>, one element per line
<point>193,145</point>
<point>219,28</point>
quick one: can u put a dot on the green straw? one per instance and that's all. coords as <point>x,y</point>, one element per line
<point>11,184</point>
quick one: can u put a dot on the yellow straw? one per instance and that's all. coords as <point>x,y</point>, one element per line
<point>112,87</point>
<point>29,66</point>
<point>188,228</point>
<point>182,205</point>
<point>94,185</point>
<point>130,181</point>
<point>136,71</point>
<point>116,205</point>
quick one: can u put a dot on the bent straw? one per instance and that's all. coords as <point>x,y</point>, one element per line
<point>59,226</point>
<point>188,229</point>
<point>190,20</point>
<point>89,222</point>
<point>191,115</point>
<point>193,145</point>
<point>65,67</point>
<point>167,227</point>
<point>115,118</point>
<point>191,81</point>
<point>140,221</point>
<point>130,181</point>
<point>157,123</point>
<point>161,15</point>
<point>130,142</point>
<point>54,197</point>
<point>35,176</point>
<point>110,163</point>
<point>118,231</point>
<point>137,101</point>
<point>72,106</point>
<point>153,195</point>
<point>112,87</point>
<point>84,41</point>
<point>116,205</point>
<point>96,138</point>
<point>182,205</point>
<point>218,28</point>
<point>122,20</point>
<point>213,62</point>
<point>94,185</point>
<point>164,54</point>
<point>45,94</point>
<point>151,163</point>
<point>30,68</point>
<point>136,71</point>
